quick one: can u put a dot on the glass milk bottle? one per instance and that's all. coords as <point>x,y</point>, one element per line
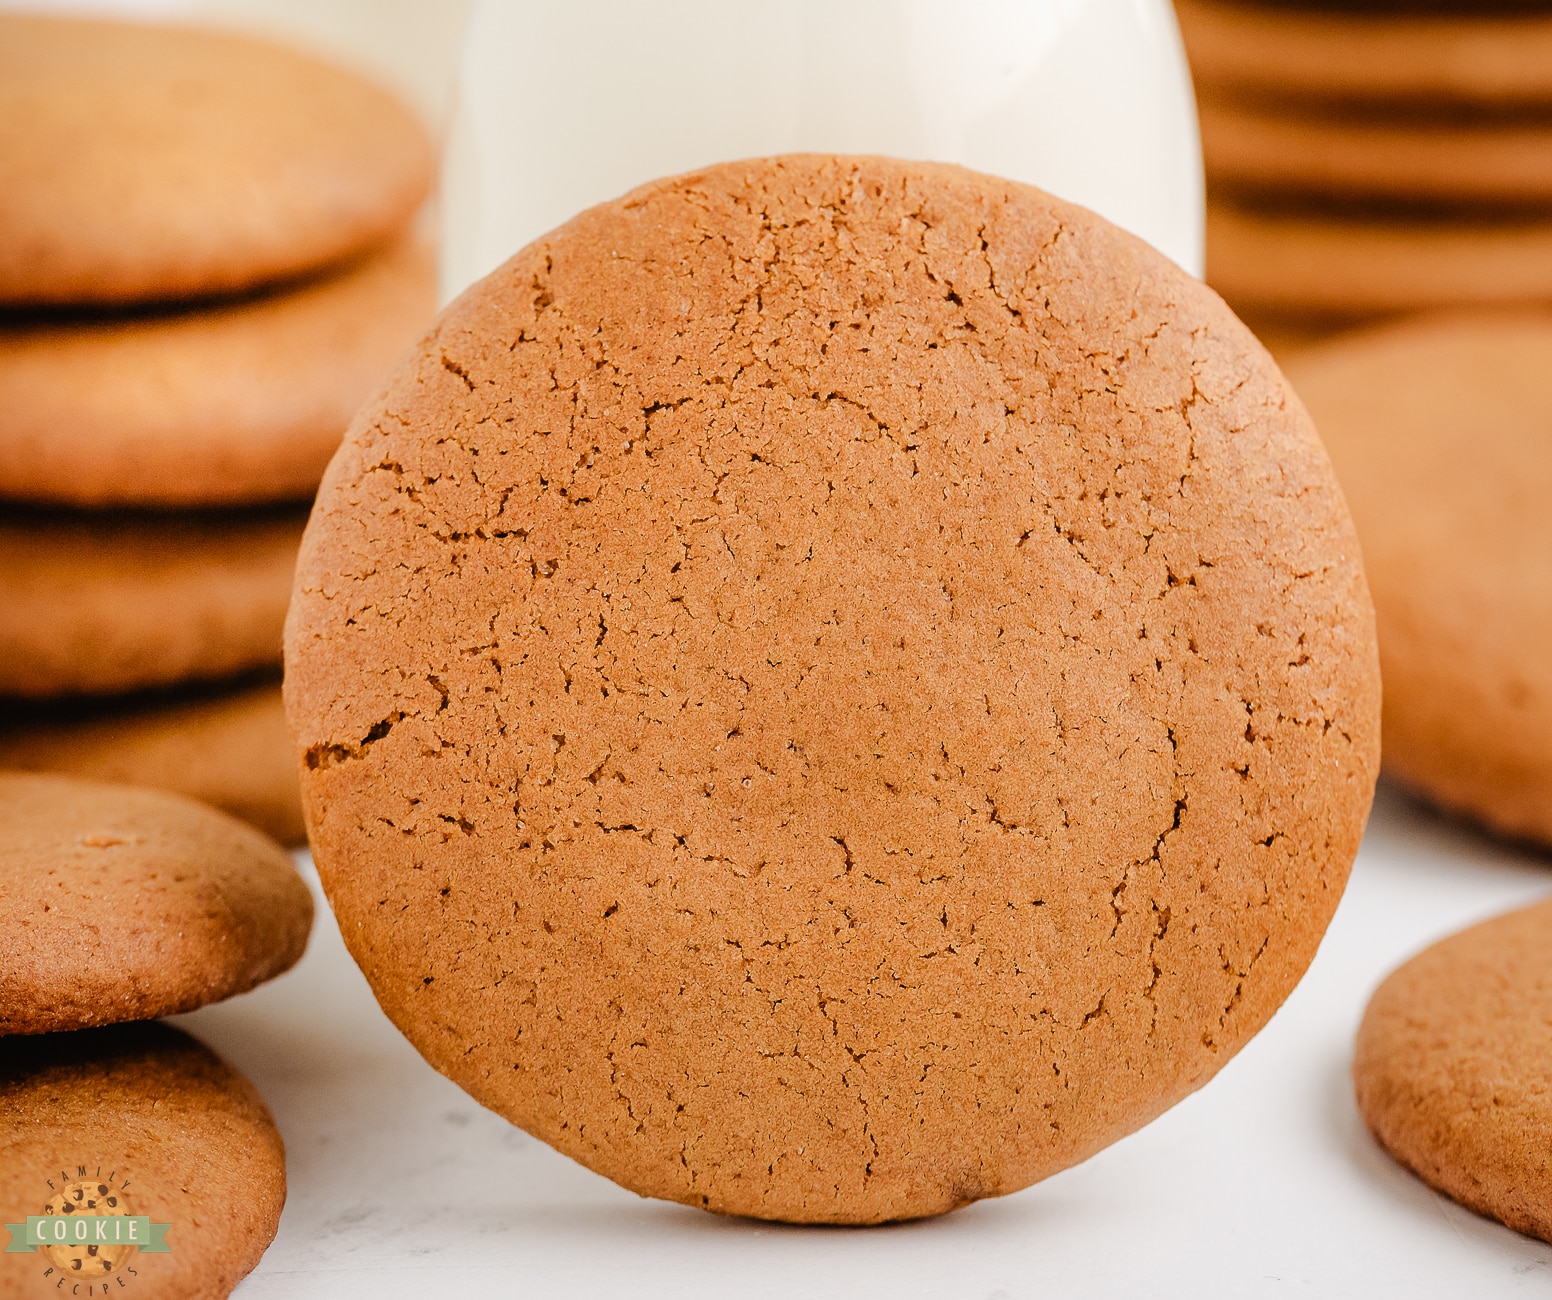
<point>567,103</point>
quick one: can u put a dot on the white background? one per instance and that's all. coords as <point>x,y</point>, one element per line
<point>1265,1183</point>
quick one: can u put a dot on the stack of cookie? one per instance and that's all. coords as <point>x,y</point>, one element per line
<point>206,264</point>
<point>119,905</point>
<point>1373,158</point>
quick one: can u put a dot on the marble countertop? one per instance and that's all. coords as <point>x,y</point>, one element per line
<point>1264,1183</point>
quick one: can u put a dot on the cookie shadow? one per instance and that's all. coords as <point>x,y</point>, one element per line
<point>647,1221</point>
<point>1383,1175</point>
<point>1406,811</point>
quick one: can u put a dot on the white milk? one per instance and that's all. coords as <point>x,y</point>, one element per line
<point>566,103</point>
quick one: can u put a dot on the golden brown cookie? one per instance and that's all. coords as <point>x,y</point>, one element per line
<point>115,602</point>
<point>123,903</point>
<point>142,162</point>
<point>832,688</point>
<point>1271,150</point>
<point>136,1120</point>
<point>1306,264</point>
<point>1451,1068</point>
<point>237,403</point>
<point>1439,432</point>
<point>1297,52</point>
<point>226,747</point>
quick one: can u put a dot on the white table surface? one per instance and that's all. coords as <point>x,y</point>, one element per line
<point>1265,1183</point>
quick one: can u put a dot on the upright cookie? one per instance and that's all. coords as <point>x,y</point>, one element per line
<point>832,688</point>
<point>117,602</point>
<point>139,1122</point>
<point>237,403</point>
<point>228,748</point>
<point>122,903</point>
<point>1441,433</point>
<point>1452,1070</point>
<point>1465,58</point>
<point>142,162</point>
<point>1302,264</point>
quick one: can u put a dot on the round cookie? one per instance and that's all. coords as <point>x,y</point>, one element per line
<point>105,603</point>
<point>1472,59</point>
<point>1438,428</point>
<point>237,403</point>
<point>230,750</point>
<point>149,162</point>
<point>1262,151</point>
<point>1451,1067</point>
<point>833,687</point>
<point>145,1121</point>
<point>1298,264</point>
<point>122,903</point>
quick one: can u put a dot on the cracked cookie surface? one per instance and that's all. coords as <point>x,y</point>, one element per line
<point>832,688</point>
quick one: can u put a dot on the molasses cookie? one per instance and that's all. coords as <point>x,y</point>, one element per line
<point>116,602</point>
<point>1264,151</point>
<point>228,747</point>
<point>136,1121</point>
<point>1451,1068</point>
<point>149,162</point>
<point>1438,428</point>
<point>1337,265</point>
<point>238,403</point>
<point>122,903</point>
<point>1466,58</point>
<point>832,687</point>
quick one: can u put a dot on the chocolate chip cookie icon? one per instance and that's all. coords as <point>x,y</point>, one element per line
<point>88,1196</point>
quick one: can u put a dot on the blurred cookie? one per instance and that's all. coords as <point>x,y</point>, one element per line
<point>230,750</point>
<point>1304,264</point>
<point>1466,58</point>
<point>832,687</point>
<point>171,903</point>
<point>138,1120</point>
<point>1451,1068</point>
<point>237,403</point>
<point>150,162</point>
<point>1263,150</point>
<point>1441,433</point>
<point>97,604</point>
<point>1283,336</point>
